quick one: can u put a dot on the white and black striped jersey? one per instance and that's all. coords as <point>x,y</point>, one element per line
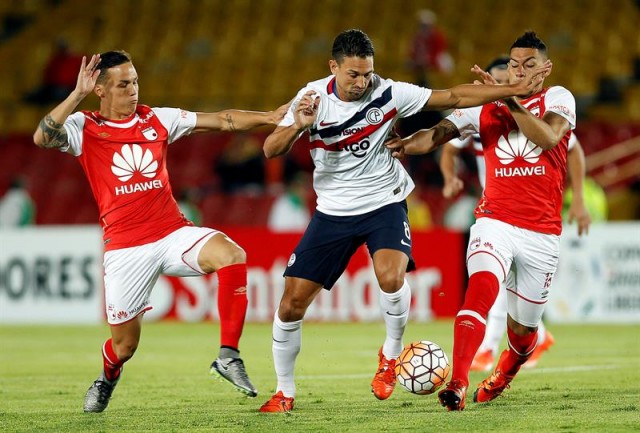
<point>354,172</point>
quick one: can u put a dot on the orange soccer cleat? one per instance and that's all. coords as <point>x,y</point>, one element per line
<point>493,386</point>
<point>483,361</point>
<point>385,379</point>
<point>539,350</point>
<point>278,404</point>
<point>453,396</point>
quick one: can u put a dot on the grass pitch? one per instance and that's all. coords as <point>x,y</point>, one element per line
<point>589,381</point>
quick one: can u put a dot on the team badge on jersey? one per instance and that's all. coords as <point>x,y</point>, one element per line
<point>150,133</point>
<point>374,116</point>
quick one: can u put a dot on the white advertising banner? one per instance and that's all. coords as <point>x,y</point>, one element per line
<point>51,275</point>
<point>598,278</point>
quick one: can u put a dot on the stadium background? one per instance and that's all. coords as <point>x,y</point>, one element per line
<point>210,55</point>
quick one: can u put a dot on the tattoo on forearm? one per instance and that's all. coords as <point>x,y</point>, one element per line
<point>54,133</point>
<point>232,127</point>
<point>445,131</point>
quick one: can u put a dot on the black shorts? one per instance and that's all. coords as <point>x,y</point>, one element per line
<point>329,242</point>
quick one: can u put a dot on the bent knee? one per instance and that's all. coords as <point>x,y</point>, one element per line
<point>125,350</point>
<point>391,282</point>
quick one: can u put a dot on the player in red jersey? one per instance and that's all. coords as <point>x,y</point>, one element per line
<point>518,221</point>
<point>122,148</point>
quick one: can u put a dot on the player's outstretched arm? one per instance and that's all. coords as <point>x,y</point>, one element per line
<point>473,95</point>
<point>452,183</point>
<point>282,138</point>
<point>545,132</point>
<point>577,210</point>
<point>50,133</point>
<point>238,120</point>
<point>423,141</point>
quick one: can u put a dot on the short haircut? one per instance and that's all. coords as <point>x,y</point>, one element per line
<point>111,59</point>
<point>530,40</point>
<point>352,43</point>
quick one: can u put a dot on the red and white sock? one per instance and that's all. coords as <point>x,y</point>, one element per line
<point>520,349</point>
<point>232,303</point>
<point>110,361</point>
<point>470,323</point>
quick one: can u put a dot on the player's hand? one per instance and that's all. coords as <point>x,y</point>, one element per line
<point>485,77</point>
<point>88,75</point>
<point>278,114</point>
<point>306,110</point>
<point>532,82</point>
<point>396,145</point>
<point>579,213</point>
<point>452,187</point>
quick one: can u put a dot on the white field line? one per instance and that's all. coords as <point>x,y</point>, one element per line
<point>577,368</point>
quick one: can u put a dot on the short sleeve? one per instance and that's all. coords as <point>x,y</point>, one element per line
<point>178,122</point>
<point>74,126</point>
<point>467,120</point>
<point>409,98</point>
<point>560,101</point>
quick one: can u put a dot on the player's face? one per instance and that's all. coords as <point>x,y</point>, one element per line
<point>353,76</point>
<point>120,92</point>
<point>522,63</point>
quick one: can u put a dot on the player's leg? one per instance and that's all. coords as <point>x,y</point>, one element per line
<point>488,260</point>
<point>395,300</point>
<point>536,264</point>
<point>287,337</point>
<point>208,251</point>
<point>130,274</point>
<point>545,341</point>
<point>496,327</point>
<point>388,237</point>
<point>115,352</point>
<point>318,261</point>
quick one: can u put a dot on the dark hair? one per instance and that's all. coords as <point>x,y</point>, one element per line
<point>530,40</point>
<point>352,43</point>
<point>499,62</point>
<point>109,60</point>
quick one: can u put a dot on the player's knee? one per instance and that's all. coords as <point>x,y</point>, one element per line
<point>520,329</point>
<point>232,255</point>
<point>391,281</point>
<point>481,292</point>
<point>292,309</point>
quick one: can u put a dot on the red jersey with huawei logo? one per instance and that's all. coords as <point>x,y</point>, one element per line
<point>524,184</point>
<point>125,163</point>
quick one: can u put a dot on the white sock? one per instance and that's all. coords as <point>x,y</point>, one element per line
<point>395,310</point>
<point>542,333</point>
<point>287,338</point>
<point>496,324</point>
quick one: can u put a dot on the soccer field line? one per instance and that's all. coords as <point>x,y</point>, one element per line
<point>577,368</point>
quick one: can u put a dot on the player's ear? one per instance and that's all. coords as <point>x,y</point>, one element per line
<point>99,90</point>
<point>333,66</point>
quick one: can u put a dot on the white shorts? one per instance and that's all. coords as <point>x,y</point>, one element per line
<point>532,257</point>
<point>131,273</point>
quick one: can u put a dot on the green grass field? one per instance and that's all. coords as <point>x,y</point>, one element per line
<point>588,381</point>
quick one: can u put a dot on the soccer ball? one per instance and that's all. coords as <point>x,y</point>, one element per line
<point>422,367</point>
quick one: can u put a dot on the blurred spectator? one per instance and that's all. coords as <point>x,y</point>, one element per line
<point>429,49</point>
<point>595,200</point>
<point>418,210</point>
<point>59,78</point>
<point>241,166</point>
<point>188,205</point>
<point>16,206</point>
<point>290,211</point>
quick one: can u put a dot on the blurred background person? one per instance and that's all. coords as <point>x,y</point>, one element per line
<point>429,51</point>
<point>290,211</point>
<point>16,206</point>
<point>59,76</point>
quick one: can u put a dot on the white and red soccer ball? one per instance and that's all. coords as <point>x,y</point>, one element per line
<point>422,367</point>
